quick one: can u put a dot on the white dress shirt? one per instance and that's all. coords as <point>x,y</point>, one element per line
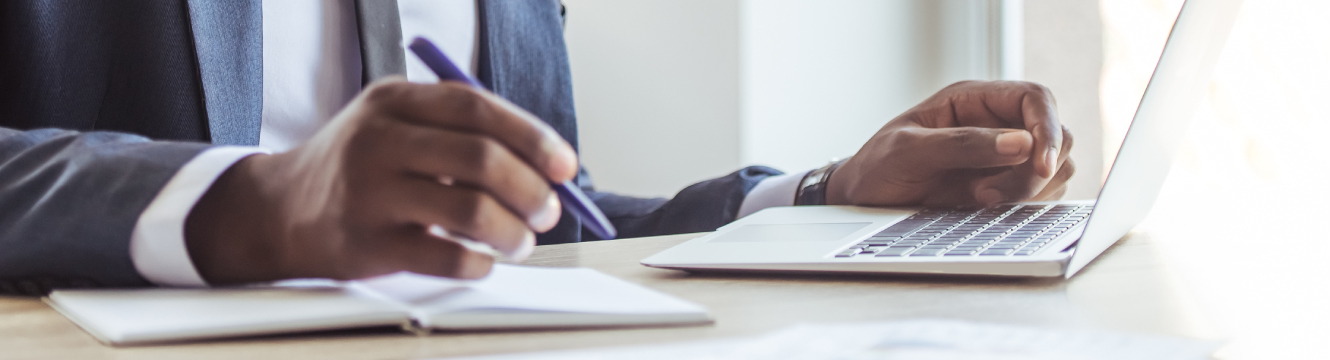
<point>311,68</point>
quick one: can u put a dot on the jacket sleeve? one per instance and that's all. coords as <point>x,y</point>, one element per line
<point>69,202</point>
<point>703,206</point>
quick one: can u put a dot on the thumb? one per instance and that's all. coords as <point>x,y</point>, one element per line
<point>970,147</point>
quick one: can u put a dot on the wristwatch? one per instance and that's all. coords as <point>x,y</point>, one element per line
<point>813,188</point>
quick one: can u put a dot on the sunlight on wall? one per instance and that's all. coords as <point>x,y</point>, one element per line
<point>1239,213</point>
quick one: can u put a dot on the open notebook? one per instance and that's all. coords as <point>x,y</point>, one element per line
<point>512,297</point>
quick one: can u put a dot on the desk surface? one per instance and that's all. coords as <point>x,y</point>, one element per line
<point>1128,288</point>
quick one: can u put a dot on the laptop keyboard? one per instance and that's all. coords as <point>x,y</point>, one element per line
<point>1007,230</point>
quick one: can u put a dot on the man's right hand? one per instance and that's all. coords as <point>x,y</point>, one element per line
<point>357,199</point>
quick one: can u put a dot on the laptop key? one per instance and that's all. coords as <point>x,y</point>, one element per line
<point>903,227</point>
<point>977,242</point>
<point>894,251</point>
<point>927,251</point>
<point>848,253</point>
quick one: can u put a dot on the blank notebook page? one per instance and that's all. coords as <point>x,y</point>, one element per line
<point>511,287</point>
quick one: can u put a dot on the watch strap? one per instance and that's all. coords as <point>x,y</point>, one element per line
<point>813,188</point>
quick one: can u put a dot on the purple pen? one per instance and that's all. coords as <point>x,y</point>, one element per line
<point>572,197</point>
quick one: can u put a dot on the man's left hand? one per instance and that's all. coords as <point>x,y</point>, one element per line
<point>972,143</point>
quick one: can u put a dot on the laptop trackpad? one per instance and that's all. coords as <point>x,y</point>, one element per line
<point>790,232</point>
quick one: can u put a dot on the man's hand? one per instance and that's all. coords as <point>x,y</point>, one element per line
<point>358,198</point>
<point>973,143</point>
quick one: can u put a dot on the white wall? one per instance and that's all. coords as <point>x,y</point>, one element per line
<point>657,90</point>
<point>819,77</point>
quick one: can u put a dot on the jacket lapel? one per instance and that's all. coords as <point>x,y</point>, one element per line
<point>228,40</point>
<point>380,30</point>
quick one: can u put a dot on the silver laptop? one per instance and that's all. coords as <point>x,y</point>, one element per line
<point>1021,239</point>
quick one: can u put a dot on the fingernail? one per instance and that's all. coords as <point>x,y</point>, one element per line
<point>437,231</point>
<point>1050,162</point>
<point>523,251</point>
<point>548,216</point>
<point>1011,143</point>
<point>988,196</point>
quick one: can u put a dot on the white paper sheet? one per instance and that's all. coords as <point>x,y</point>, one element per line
<point>907,340</point>
<point>513,287</point>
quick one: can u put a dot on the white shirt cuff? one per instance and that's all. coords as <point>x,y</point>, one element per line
<point>157,246</point>
<point>770,192</point>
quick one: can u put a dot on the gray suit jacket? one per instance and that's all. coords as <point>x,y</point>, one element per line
<point>104,101</point>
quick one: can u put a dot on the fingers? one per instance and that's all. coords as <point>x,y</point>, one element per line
<point>1040,117</point>
<point>1067,142</point>
<point>1057,186</point>
<point>409,248</point>
<point>1020,104</point>
<point>464,212</point>
<point>932,150</point>
<point>1021,184</point>
<point>481,162</point>
<point>1013,185</point>
<point>474,164</point>
<point>460,107</point>
<point>1057,195</point>
<point>1017,184</point>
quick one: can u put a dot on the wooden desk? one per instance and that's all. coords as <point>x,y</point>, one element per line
<point>1128,288</point>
